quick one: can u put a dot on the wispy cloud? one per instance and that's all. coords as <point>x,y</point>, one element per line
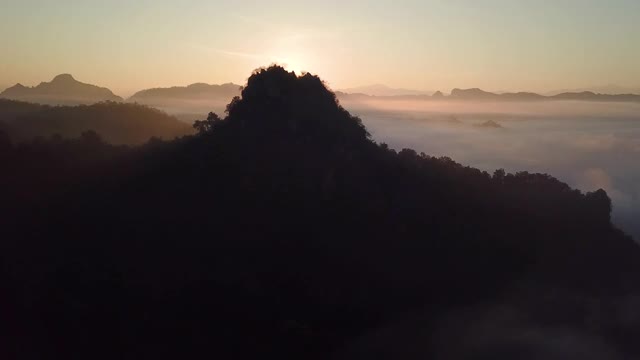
<point>230,53</point>
<point>289,33</point>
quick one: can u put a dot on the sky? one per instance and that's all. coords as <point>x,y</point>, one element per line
<point>498,45</point>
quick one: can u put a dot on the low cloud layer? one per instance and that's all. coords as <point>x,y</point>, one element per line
<point>587,145</point>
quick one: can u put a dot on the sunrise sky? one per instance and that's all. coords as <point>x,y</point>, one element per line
<point>420,44</point>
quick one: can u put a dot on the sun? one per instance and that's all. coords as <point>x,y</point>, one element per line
<point>293,51</point>
<point>291,65</point>
<point>292,62</point>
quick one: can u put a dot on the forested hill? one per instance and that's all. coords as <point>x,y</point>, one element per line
<point>284,230</point>
<point>116,123</point>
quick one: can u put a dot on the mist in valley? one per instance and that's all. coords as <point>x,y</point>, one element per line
<point>588,145</point>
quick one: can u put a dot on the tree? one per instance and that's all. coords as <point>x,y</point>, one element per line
<point>599,204</point>
<point>205,126</point>
<point>91,137</point>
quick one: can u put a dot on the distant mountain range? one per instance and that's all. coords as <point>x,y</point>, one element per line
<point>193,91</point>
<point>383,90</point>
<point>606,89</point>
<point>195,100</point>
<point>476,94</point>
<point>189,102</point>
<point>386,91</point>
<point>62,90</point>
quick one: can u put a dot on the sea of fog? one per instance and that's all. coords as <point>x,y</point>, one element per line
<point>587,145</point>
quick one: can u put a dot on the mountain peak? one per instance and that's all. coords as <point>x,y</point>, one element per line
<point>63,78</point>
<point>473,93</point>
<point>62,90</point>
<point>284,105</point>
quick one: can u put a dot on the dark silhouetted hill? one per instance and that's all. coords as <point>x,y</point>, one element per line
<point>282,230</point>
<point>62,90</point>
<point>116,123</point>
<point>10,110</point>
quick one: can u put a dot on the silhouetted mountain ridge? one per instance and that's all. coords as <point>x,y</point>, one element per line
<point>193,91</point>
<point>610,89</point>
<point>188,102</point>
<point>62,90</point>
<point>197,98</point>
<point>383,90</point>
<point>476,94</point>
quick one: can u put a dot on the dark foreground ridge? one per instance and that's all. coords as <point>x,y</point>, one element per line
<point>284,231</point>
